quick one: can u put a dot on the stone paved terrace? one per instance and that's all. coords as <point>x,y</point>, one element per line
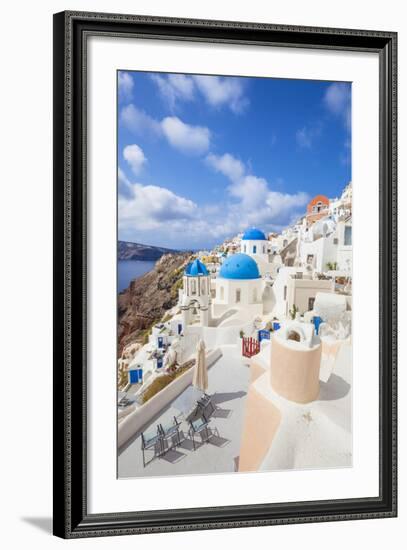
<point>228,384</point>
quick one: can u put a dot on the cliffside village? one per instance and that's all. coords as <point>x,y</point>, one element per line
<point>280,305</point>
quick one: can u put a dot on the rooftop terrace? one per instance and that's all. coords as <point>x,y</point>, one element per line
<point>228,384</point>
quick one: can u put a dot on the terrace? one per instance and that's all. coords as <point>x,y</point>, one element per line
<point>228,384</point>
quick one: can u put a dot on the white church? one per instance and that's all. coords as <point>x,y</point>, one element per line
<point>242,284</point>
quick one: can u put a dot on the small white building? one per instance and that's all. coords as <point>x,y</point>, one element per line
<point>302,290</point>
<point>327,245</point>
<point>297,286</point>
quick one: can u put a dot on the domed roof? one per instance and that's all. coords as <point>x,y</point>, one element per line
<point>322,199</point>
<point>254,234</point>
<point>196,268</point>
<point>239,266</point>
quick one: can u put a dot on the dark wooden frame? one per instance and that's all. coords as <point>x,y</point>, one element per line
<point>71,518</point>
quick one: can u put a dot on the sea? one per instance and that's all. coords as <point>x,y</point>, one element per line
<point>127,270</point>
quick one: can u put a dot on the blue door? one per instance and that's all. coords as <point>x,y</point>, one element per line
<point>134,376</point>
<point>179,328</point>
<point>159,362</point>
<point>160,341</point>
<point>276,325</point>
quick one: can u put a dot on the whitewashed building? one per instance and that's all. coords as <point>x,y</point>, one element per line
<point>239,286</point>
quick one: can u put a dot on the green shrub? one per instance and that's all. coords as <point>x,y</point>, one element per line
<point>164,380</point>
<point>184,368</point>
<point>156,386</point>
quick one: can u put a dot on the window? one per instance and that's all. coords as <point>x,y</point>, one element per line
<point>285,293</point>
<point>203,287</point>
<point>238,295</point>
<point>310,259</point>
<point>264,249</point>
<point>193,286</point>
<point>348,235</point>
<point>298,275</point>
<point>285,242</point>
<point>244,248</point>
<point>335,240</point>
<point>311,303</point>
<point>254,249</point>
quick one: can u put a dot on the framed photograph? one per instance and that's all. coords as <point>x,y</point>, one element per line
<point>225,280</point>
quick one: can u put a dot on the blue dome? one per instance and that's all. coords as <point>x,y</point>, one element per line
<point>196,268</point>
<point>254,234</point>
<point>239,266</point>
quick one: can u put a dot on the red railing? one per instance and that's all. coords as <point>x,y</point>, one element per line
<point>250,347</point>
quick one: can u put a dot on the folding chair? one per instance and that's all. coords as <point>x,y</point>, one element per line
<point>149,441</point>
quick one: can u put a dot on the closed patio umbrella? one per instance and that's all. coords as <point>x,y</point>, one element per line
<point>200,378</point>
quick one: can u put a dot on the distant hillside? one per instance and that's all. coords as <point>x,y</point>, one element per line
<point>136,251</point>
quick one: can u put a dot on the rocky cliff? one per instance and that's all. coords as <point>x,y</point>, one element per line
<point>136,251</point>
<point>148,297</point>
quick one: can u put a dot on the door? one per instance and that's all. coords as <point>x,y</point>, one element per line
<point>134,376</point>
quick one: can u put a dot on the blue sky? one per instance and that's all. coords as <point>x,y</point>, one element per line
<point>201,158</point>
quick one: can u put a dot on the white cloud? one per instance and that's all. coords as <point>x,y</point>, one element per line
<point>126,84</point>
<point>186,138</point>
<point>253,202</point>
<point>337,99</point>
<point>149,207</point>
<point>139,122</point>
<point>251,190</point>
<point>174,87</point>
<point>228,165</point>
<point>219,91</point>
<point>134,155</point>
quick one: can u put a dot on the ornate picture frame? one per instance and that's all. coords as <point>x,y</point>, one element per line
<point>71,33</point>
